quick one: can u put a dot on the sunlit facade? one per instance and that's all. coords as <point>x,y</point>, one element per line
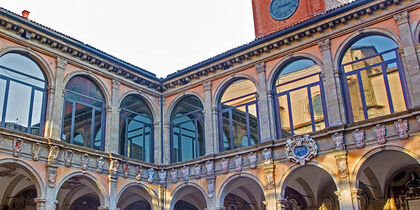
<point>320,111</point>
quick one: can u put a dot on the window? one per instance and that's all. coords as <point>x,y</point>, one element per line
<point>299,98</point>
<point>22,94</point>
<point>373,79</point>
<point>136,129</point>
<point>238,116</point>
<point>84,115</point>
<point>187,129</point>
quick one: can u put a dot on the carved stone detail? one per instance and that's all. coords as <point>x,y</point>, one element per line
<point>269,177</point>
<point>126,169</point>
<point>267,155</point>
<point>238,163</point>
<point>197,171</point>
<point>151,173</point>
<point>36,150</point>
<point>300,149</point>
<point>85,162</point>
<point>324,45</point>
<point>17,147</point>
<point>185,173</point>
<point>210,168</point>
<point>225,165</point>
<point>207,86</point>
<point>174,175</point>
<point>252,157</point>
<point>402,128</point>
<point>68,157</point>
<point>162,177</point>
<point>380,133</point>
<point>52,176</point>
<point>139,170</point>
<point>53,154</point>
<point>100,162</point>
<point>260,67</point>
<point>210,187</point>
<point>61,63</point>
<point>341,161</point>
<point>359,138</point>
<point>338,140</point>
<point>401,18</point>
<point>113,167</point>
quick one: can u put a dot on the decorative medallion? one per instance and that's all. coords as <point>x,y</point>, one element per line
<point>341,161</point>
<point>139,170</point>
<point>225,165</point>
<point>359,138</point>
<point>53,154</point>
<point>68,157</point>
<point>151,173</point>
<point>380,133</point>
<point>269,177</point>
<point>17,147</point>
<point>300,149</point>
<point>238,163</point>
<point>113,167</point>
<point>252,157</point>
<point>174,175</point>
<point>402,127</point>
<point>100,162</point>
<point>126,169</point>
<point>185,173</point>
<point>36,149</point>
<point>268,157</point>
<point>52,176</point>
<point>85,162</point>
<point>210,168</point>
<point>162,176</point>
<point>210,188</point>
<point>283,9</point>
<point>197,171</point>
<point>338,140</point>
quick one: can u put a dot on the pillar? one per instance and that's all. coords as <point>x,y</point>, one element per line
<point>40,203</point>
<point>412,71</point>
<point>112,184</point>
<point>157,152</point>
<point>347,198</point>
<point>166,143</point>
<point>215,116</point>
<point>208,119</point>
<point>263,111</point>
<point>331,82</point>
<point>112,120</point>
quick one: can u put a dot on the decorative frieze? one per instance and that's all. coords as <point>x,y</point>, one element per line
<point>380,132</point>
<point>267,156</point>
<point>252,157</point>
<point>162,177</point>
<point>151,174</point>
<point>85,162</point>
<point>174,175</point>
<point>359,138</point>
<point>238,163</point>
<point>210,168</point>
<point>17,147</point>
<point>36,150</point>
<point>338,140</point>
<point>300,149</point>
<point>225,165</point>
<point>68,157</point>
<point>197,171</point>
<point>401,127</point>
<point>185,173</point>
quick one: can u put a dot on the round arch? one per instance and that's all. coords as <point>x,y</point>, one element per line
<point>146,99</point>
<point>46,69</point>
<point>287,60</point>
<point>177,99</point>
<point>222,193</point>
<point>152,199</point>
<point>417,34</point>
<point>95,79</point>
<point>361,33</point>
<point>97,186</point>
<point>177,192</point>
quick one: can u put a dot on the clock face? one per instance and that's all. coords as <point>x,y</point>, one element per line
<point>282,9</point>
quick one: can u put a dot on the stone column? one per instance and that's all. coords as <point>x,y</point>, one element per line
<point>157,152</point>
<point>271,112</point>
<point>208,119</point>
<point>40,203</point>
<point>215,116</point>
<point>166,143</point>
<point>50,190</point>
<point>331,82</point>
<point>412,71</point>
<point>112,120</point>
<point>263,112</point>
<point>270,186</point>
<point>346,198</point>
<point>56,110</point>
<point>112,184</point>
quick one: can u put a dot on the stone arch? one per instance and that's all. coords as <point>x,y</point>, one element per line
<point>286,60</point>
<point>417,34</point>
<point>146,99</point>
<point>99,189</point>
<point>151,195</point>
<point>222,192</point>
<point>95,79</point>
<point>365,32</point>
<point>177,99</point>
<point>46,69</point>
<point>176,194</point>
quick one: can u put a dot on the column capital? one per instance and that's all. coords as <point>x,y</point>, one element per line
<point>207,86</point>
<point>260,67</point>
<point>40,203</point>
<point>324,45</point>
<point>115,84</point>
<point>61,63</point>
<point>401,18</point>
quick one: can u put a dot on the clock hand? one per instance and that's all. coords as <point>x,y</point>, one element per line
<point>284,4</point>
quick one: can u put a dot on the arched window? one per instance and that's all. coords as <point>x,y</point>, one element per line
<point>299,98</point>
<point>238,116</point>
<point>22,94</point>
<point>136,129</point>
<point>84,113</point>
<point>187,129</point>
<point>373,78</point>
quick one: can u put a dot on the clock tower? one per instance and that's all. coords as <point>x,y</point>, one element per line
<point>274,15</point>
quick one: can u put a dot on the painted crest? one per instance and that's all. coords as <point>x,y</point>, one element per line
<point>185,173</point>
<point>174,175</point>
<point>238,163</point>
<point>113,167</point>
<point>268,157</point>
<point>162,176</point>
<point>53,154</point>
<point>151,173</point>
<point>139,170</point>
<point>402,128</point>
<point>210,188</point>
<point>380,133</point>
<point>300,149</point>
<point>17,147</point>
<point>126,169</point>
<point>338,140</point>
<point>100,162</point>
<point>36,149</point>
<point>210,168</point>
<point>225,165</point>
<point>197,171</point>
<point>52,176</point>
<point>252,157</point>
<point>68,157</point>
<point>359,138</point>
<point>85,162</point>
